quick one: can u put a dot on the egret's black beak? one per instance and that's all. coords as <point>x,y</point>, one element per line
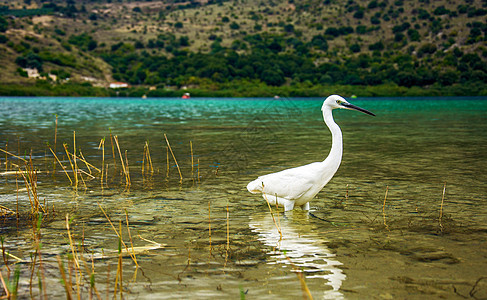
<point>354,107</point>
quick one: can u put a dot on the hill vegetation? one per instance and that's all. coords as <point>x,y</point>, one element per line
<point>244,47</point>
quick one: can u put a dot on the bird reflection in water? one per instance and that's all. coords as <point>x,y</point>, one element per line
<point>300,248</point>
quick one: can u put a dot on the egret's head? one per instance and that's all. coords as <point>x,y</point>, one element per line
<point>335,101</point>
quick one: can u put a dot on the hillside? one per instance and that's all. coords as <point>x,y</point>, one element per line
<point>290,48</point>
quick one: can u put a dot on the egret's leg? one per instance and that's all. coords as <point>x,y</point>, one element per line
<point>288,205</point>
<point>305,206</point>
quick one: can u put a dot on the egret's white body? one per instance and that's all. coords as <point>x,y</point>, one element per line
<point>297,186</point>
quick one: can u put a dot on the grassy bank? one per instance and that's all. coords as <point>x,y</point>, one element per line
<point>241,89</point>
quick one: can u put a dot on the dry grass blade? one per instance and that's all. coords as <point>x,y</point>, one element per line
<point>192,160</point>
<point>62,166</point>
<point>167,162</point>
<point>73,250</point>
<point>127,180</point>
<point>127,168</point>
<point>272,213</point>
<point>74,159</point>
<point>118,234</point>
<point>130,237</point>
<point>113,149</point>
<point>30,186</point>
<point>209,223</point>
<point>102,146</point>
<point>14,155</point>
<point>87,174</point>
<point>6,209</point>
<point>67,285</point>
<point>72,166</point>
<point>84,160</point>
<point>440,218</point>
<point>88,165</point>
<point>146,159</point>
<point>384,210</point>
<point>6,156</point>
<point>174,157</point>
<point>55,135</point>
<point>304,286</point>
<point>7,292</point>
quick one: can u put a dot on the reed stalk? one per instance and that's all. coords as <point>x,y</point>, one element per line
<point>228,228</point>
<point>209,223</point>
<point>106,175</point>
<point>5,259</point>
<point>17,192</point>
<point>73,251</point>
<point>82,179</point>
<point>300,275</point>
<point>76,258</point>
<point>72,166</point>
<point>192,160</point>
<point>5,288</point>
<point>40,272</point>
<point>6,209</point>
<point>55,135</point>
<point>108,282</point>
<point>32,205</point>
<point>440,218</point>
<point>119,267</point>
<point>143,159</point>
<point>33,264</point>
<point>67,286</point>
<point>86,173</point>
<point>74,159</point>
<point>174,157</point>
<point>127,180</point>
<point>278,219</point>
<point>130,238</point>
<point>167,162</point>
<point>272,213</point>
<point>85,162</point>
<point>384,209</point>
<point>113,149</point>
<point>149,158</point>
<point>13,155</point>
<point>92,277</point>
<point>127,168</point>
<point>102,146</point>
<point>198,170</point>
<point>228,237</point>
<point>119,235</point>
<point>6,156</point>
<point>146,159</point>
<point>62,166</point>
<point>32,174</point>
<point>304,286</point>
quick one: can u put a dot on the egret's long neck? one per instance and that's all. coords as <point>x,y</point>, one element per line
<point>335,156</point>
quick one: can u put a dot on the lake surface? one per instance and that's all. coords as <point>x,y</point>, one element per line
<point>404,217</point>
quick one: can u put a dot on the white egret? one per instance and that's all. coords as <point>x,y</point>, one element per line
<point>297,186</point>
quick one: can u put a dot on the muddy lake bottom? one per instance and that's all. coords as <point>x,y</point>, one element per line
<point>405,217</point>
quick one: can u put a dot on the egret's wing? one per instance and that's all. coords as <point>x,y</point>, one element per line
<point>289,184</point>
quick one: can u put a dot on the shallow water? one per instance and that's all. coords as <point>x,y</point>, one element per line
<point>220,240</point>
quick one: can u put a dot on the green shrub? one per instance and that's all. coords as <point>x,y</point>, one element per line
<point>22,72</point>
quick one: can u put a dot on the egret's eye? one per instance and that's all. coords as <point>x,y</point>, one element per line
<point>338,102</point>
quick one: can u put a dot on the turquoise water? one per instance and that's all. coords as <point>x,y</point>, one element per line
<point>355,245</point>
